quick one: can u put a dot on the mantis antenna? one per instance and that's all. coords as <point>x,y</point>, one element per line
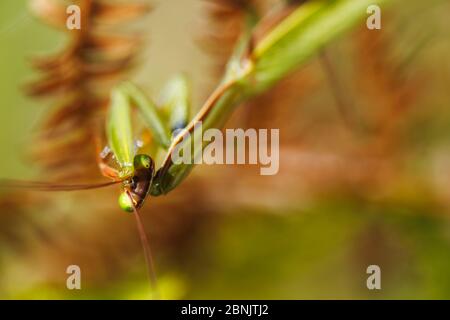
<point>147,251</point>
<point>49,186</point>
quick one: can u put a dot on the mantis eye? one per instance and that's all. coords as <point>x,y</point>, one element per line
<point>143,161</point>
<point>125,202</point>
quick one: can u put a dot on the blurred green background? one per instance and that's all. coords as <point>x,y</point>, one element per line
<point>338,205</point>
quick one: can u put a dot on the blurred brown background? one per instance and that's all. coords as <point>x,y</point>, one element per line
<point>361,183</point>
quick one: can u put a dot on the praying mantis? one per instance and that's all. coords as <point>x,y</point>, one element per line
<point>144,167</point>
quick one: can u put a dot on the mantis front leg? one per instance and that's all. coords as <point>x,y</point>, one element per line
<point>148,111</point>
<point>119,127</point>
<point>175,100</point>
<point>160,122</point>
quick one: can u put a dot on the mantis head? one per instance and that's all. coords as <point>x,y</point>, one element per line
<point>136,191</point>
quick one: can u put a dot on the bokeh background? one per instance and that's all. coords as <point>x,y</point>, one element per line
<point>361,182</point>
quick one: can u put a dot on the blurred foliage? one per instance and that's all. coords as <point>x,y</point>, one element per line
<point>343,200</point>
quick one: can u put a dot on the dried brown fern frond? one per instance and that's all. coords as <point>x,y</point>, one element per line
<point>78,79</point>
<point>223,24</point>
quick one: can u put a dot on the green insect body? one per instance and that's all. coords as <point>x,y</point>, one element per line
<point>257,64</point>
